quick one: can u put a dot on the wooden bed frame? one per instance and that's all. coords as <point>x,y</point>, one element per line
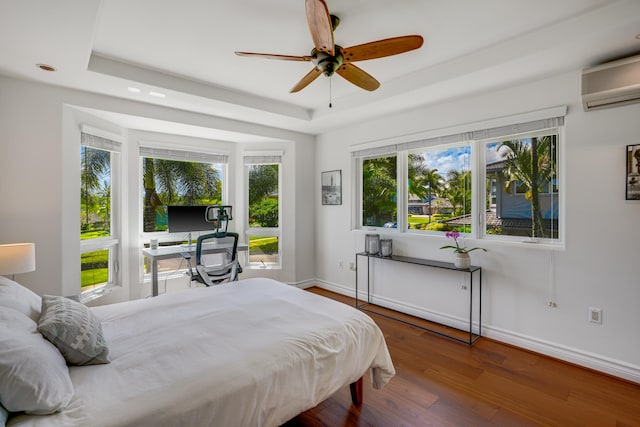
<point>356,392</point>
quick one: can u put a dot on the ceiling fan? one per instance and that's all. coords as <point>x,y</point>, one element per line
<point>328,57</point>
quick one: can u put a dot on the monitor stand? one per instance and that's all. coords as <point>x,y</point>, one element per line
<point>189,245</point>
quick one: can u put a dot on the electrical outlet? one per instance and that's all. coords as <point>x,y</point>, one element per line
<point>340,263</point>
<point>595,315</point>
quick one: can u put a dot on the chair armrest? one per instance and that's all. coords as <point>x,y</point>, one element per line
<point>204,276</point>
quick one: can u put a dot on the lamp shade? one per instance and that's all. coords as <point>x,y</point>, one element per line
<point>16,258</point>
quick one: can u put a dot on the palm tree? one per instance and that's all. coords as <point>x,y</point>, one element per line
<point>105,201</point>
<point>434,183</point>
<point>458,191</point>
<point>415,172</point>
<point>152,202</point>
<point>95,164</point>
<point>423,182</point>
<point>176,182</point>
<point>532,164</point>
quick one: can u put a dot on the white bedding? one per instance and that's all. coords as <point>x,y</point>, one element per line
<point>251,353</point>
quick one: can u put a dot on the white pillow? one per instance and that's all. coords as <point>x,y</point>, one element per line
<point>16,296</point>
<point>35,376</point>
<point>16,321</point>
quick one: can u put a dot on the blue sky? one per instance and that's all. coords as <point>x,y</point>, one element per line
<point>458,158</point>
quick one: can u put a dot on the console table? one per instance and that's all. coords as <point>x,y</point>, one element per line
<point>473,270</point>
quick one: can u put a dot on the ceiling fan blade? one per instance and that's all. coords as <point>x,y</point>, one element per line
<point>381,48</point>
<point>358,77</point>
<point>304,82</point>
<point>276,56</point>
<point>320,26</point>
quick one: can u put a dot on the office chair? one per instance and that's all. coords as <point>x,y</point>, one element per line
<point>207,249</point>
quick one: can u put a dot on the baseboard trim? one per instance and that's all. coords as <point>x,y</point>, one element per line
<point>575,356</point>
<point>304,284</point>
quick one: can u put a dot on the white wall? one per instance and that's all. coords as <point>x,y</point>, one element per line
<point>596,269</point>
<point>39,179</point>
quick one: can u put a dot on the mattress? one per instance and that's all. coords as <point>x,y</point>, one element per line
<point>250,353</point>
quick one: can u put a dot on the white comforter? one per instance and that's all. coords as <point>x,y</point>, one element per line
<point>252,353</point>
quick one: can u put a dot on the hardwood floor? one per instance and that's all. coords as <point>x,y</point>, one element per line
<point>440,382</point>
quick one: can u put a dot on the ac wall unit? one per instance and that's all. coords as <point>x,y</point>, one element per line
<point>612,84</point>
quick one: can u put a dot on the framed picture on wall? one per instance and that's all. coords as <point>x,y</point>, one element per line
<point>332,187</point>
<point>633,172</point>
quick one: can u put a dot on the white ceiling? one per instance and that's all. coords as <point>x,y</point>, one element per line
<point>185,49</point>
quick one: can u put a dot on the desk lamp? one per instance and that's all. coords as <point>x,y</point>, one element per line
<point>16,258</point>
<point>219,215</point>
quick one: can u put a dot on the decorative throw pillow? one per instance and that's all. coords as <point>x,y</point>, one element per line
<point>16,296</point>
<point>35,377</point>
<point>74,330</point>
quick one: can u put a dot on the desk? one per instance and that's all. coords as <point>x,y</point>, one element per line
<point>433,264</point>
<point>166,252</point>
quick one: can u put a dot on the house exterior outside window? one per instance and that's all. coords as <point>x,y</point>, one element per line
<point>522,173</point>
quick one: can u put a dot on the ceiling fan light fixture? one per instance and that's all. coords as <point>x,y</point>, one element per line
<point>328,64</point>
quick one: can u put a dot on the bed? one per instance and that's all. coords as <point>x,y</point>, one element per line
<point>251,353</point>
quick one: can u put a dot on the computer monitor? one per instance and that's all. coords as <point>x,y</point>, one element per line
<point>185,219</point>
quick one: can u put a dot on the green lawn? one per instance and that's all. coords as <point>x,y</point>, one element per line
<point>94,268</point>
<point>96,276</point>
<point>263,245</point>
<point>86,235</point>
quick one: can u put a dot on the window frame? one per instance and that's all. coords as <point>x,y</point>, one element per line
<point>257,159</point>
<point>400,166</point>
<point>528,124</point>
<point>111,143</point>
<point>559,178</point>
<point>180,155</point>
<point>177,152</point>
<point>472,185</point>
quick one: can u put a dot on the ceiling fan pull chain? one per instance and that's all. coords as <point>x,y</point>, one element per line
<point>330,79</point>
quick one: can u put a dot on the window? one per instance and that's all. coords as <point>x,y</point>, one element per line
<point>379,192</point>
<point>263,209</point>
<point>505,179</point>
<point>171,177</point>
<point>521,173</point>
<point>439,189</point>
<point>98,225</point>
<point>174,177</point>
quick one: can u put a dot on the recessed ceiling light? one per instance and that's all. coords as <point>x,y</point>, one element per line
<point>157,94</point>
<point>46,67</point>
<point>133,89</point>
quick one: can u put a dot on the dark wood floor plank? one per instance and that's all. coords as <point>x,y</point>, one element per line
<point>440,382</point>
